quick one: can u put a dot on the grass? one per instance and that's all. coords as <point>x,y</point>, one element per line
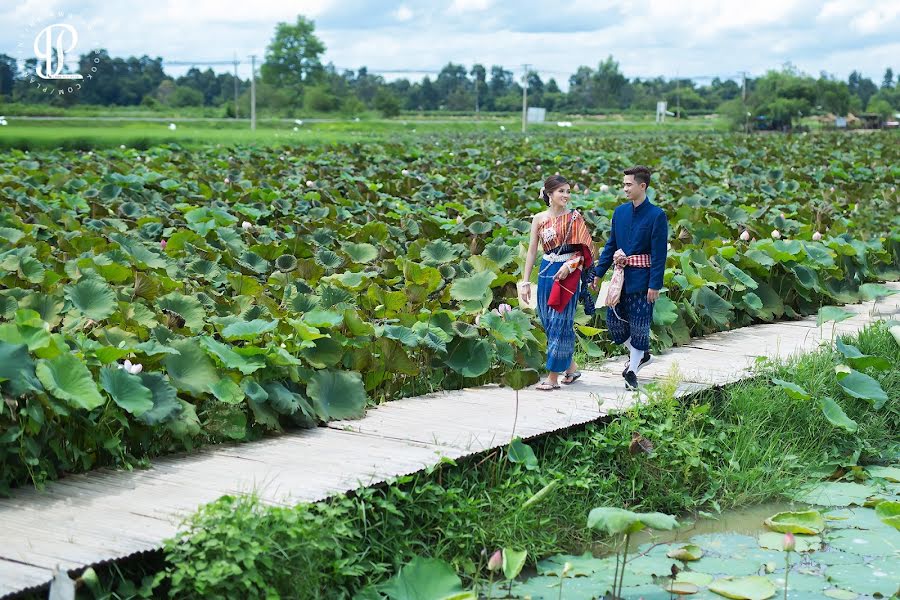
<point>90,133</point>
<point>747,443</point>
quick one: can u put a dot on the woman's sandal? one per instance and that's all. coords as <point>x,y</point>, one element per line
<point>546,386</point>
<point>570,378</point>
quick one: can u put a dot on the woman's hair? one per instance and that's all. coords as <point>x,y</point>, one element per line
<point>551,184</point>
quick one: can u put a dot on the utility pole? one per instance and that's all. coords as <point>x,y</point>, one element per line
<point>253,92</point>
<point>476,94</point>
<point>677,96</point>
<point>236,115</point>
<point>524,96</point>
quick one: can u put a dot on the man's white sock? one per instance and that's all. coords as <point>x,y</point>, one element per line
<point>627,344</point>
<point>636,356</point>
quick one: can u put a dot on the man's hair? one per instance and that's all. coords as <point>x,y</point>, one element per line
<point>641,174</point>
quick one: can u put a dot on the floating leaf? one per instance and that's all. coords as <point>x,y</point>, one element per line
<point>686,553</point>
<point>423,578</point>
<point>834,493</point>
<point>753,587</point>
<point>889,513</point>
<point>775,541</point>
<point>805,522</point>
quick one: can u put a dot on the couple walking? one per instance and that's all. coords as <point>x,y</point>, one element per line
<point>636,248</point>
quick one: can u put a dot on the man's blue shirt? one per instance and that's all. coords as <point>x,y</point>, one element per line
<point>641,230</point>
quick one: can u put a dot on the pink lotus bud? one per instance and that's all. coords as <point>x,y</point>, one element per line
<point>504,308</point>
<point>127,365</point>
<point>478,319</point>
<point>745,235</point>
<point>538,168</point>
<point>404,172</point>
<point>817,236</point>
<point>604,188</point>
<point>557,173</point>
<point>227,181</point>
<point>832,189</point>
<point>246,225</point>
<point>789,542</point>
<point>782,215</point>
<point>162,244</point>
<point>459,220</point>
<point>495,562</point>
<point>575,188</point>
<point>776,234</point>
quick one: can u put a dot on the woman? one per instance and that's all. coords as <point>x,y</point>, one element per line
<point>567,250</point>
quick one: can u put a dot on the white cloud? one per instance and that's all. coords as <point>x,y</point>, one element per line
<point>403,13</point>
<point>458,7</point>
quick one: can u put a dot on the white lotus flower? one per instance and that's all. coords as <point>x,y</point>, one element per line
<point>459,219</point>
<point>776,234</point>
<point>497,162</point>
<point>450,153</point>
<point>832,189</point>
<point>502,128</point>
<point>227,180</point>
<point>121,146</point>
<point>538,167</point>
<point>3,122</point>
<point>298,121</point>
<point>584,171</point>
<point>127,365</point>
<point>404,172</point>
<point>136,368</point>
<point>310,183</point>
<point>246,225</point>
<point>296,129</point>
<point>817,236</point>
<point>604,188</point>
<point>172,126</point>
<point>745,236</point>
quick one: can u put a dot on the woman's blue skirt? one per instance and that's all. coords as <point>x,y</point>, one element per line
<point>559,326</point>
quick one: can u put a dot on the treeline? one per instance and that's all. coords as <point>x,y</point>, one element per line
<point>293,81</point>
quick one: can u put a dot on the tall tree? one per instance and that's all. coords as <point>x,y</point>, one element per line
<point>292,57</point>
<point>8,74</point>
<point>888,81</point>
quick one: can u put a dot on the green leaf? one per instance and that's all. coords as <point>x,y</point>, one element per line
<point>665,311</point>
<point>17,369</point>
<point>892,474</point>
<point>836,415</point>
<point>802,543</point>
<point>805,522</point>
<point>610,520</point>
<point>439,252</point>
<point>469,357</point>
<point>847,350</point>
<point>404,335</point>
<point>889,513</point>
<point>248,330</point>
<point>712,306</point>
<point>793,390</point>
<point>230,358</point>
<point>187,307</point>
<point>191,370</point>
<point>360,253</point>
<point>686,553</point>
<point>93,297</point>
<point>126,390</point>
<point>740,276</point>
<point>165,400</point>
<point>753,587</point>
<point>860,385</point>
<point>874,291</point>
<point>227,391</point>
<point>474,287</point>
<point>68,378</point>
<point>519,379</point>
<point>323,318</point>
<point>426,578</point>
<point>186,424</point>
<point>832,313</point>
<point>520,452</point>
<point>833,493</point>
<point>499,253</point>
<point>341,394</point>
<point>513,561</point>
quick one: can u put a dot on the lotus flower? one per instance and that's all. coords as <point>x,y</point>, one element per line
<point>296,129</point>
<point>817,236</point>
<point>776,234</point>
<point>604,188</point>
<point>745,236</point>
<point>310,183</point>
<point>477,319</point>
<point>832,189</point>
<point>134,369</point>
<point>567,568</point>
<point>172,126</point>
<point>557,173</point>
<point>504,308</point>
<point>497,163</point>
<point>584,171</point>
<point>404,172</point>
<point>298,121</point>
<point>121,146</point>
<point>495,562</point>
<point>246,226</point>
<point>789,542</point>
<point>459,219</point>
<point>3,122</point>
<point>502,128</point>
<point>538,168</point>
<point>162,244</point>
<point>227,181</point>
<point>575,188</point>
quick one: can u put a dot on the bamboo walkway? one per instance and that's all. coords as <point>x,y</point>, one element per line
<point>105,515</point>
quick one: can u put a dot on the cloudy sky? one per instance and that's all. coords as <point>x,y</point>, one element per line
<point>687,38</point>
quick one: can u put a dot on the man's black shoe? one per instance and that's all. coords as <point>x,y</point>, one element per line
<point>631,381</point>
<point>644,362</point>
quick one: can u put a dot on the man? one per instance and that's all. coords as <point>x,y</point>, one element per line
<point>640,231</point>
